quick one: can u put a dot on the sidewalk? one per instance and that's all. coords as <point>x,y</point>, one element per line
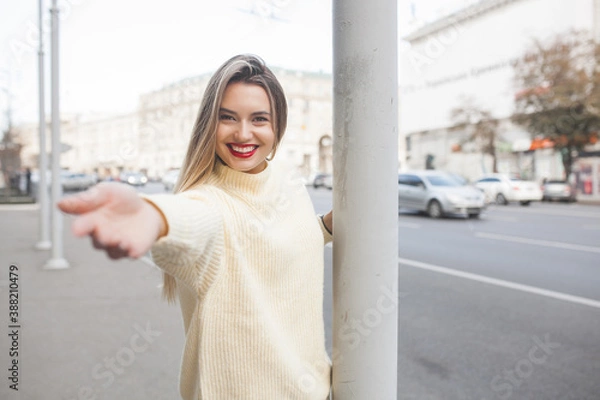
<point>98,330</point>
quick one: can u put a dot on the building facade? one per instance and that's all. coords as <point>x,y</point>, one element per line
<point>154,138</point>
<point>466,58</point>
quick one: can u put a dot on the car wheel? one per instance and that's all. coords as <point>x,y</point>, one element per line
<point>474,215</point>
<point>525,203</point>
<point>501,199</point>
<point>434,209</point>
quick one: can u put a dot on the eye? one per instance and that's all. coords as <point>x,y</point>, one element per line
<point>226,117</point>
<point>261,119</point>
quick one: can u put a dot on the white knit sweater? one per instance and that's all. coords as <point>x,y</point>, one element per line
<point>247,253</point>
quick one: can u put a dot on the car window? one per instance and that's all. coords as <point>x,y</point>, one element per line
<point>403,180</point>
<point>443,180</point>
<point>415,180</point>
<point>459,178</point>
<point>410,180</point>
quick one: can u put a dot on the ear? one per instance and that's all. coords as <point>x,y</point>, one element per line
<point>273,151</point>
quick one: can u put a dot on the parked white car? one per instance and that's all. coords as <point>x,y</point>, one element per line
<point>503,189</point>
<point>133,178</point>
<point>70,180</point>
<point>439,193</point>
<point>77,180</point>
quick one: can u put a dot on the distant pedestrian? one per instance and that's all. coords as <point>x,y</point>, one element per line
<point>239,244</point>
<point>28,181</point>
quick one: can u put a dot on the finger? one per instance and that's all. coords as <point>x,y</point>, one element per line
<point>133,250</point>
<point>84,225</point>
<point>83,202</point>
<point>97,245</point>
<point>105,241</point>
<point>116,252</point>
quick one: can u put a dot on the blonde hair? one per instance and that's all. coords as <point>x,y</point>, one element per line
<point>200,158</point>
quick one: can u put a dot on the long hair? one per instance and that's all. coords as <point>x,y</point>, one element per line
<point>200,158</point>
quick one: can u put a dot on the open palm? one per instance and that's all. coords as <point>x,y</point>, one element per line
<point>117,219</point>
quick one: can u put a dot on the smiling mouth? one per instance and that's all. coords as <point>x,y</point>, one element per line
<point>242,151</point>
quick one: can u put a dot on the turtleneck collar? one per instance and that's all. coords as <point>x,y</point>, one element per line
<point>238,181</point>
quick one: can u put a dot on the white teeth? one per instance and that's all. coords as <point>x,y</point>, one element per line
<point>245,149</point>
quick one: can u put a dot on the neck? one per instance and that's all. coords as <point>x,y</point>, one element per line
<point>227,177</point>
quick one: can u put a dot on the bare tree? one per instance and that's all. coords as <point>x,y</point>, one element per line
<point>10,150</point>
<point>480,126</point>
<point>558,98</point>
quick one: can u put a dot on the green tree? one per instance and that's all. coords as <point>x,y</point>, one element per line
<point>480,126</point>
<point>558,97</point>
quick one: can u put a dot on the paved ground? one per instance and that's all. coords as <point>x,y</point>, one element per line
<point>97,330</point>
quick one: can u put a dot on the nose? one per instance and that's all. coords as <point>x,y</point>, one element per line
<point>244,132</point>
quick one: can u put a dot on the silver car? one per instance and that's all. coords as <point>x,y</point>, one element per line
<point>77,181</point>
<point>438,194</point>
<point>133,178</point>
<point>560,190</point>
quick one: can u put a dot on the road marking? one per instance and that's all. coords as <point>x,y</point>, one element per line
<point>409,225</point>
<point>498,218</point>
<point>579,212</point>
<point>502,283</point>
<point>547,243</point>
<point>19,207</point>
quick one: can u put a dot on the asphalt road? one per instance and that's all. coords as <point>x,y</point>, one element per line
<point>504,307</point>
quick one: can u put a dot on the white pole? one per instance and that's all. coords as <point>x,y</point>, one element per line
<point>57,261</point>
<point>365,199</point>
<point>44,217</point>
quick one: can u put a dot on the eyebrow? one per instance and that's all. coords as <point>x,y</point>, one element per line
<point>223,109</point>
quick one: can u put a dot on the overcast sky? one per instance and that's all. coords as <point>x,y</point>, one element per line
<point>111,50</point>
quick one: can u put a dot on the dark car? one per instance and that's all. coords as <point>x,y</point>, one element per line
<point>560,190</point>
<point>322,180</point>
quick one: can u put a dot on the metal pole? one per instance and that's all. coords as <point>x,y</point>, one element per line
<point>44,217</point>
<point>365,202</point>
<point>57,261</point>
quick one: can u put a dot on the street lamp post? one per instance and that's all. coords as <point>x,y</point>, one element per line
<point>44,217</point>
<point>365,199</point>
<point>57,261</point>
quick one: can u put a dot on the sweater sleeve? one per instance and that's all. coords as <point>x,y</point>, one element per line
<point>193,247</point>
<point>327,236</point>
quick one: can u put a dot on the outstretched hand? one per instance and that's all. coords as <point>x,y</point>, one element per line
<point>117,219</point>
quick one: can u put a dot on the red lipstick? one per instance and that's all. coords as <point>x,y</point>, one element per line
<point>242,150</point>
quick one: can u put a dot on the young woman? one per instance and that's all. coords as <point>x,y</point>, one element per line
<point>239,244</point>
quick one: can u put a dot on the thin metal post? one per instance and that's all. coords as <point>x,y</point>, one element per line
<point>365,199</point>
<point>42,190</point>
<point>57,261</point>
